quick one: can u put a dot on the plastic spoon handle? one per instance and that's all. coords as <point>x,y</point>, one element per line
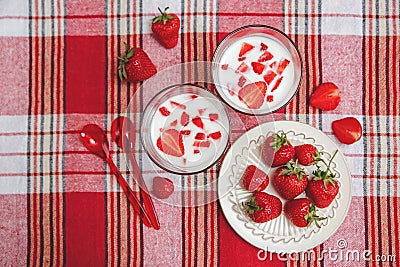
<point>148,202</point>
<point>129,193</point>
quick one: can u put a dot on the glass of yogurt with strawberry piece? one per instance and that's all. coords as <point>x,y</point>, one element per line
<point>185,129</point>
<point>257,69</point>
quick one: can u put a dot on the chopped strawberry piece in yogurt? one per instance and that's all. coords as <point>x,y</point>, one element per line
<point>224,66</point>
<point>263,47</point>
<point>277,83</point>
<point>179,105</point>
<point>164,111</point>
<point>215,135</point>
<point>282,65</point>
<point>242,81</point>
<point>270,98</point>
<point>242,68</point>
<point>200,136</point>
<point>198,122</point>
<point>265,56</point>
<point>269,76</point>
<point>185,119</point>
<point>185,132</point>
<point>246,47</point>
<point>257,67</point>
<point>213,116</point>
<point>174,123</point>
<point>241,58</point>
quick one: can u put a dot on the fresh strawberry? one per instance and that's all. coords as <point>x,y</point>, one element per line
<point>164,111</point>
<point>254,179</point>
<point>347,130</point>
<point>242,68</point>
<point>282,65</point>
<point>263,47</point>
<point>301,212</point>
<point>198,122</point>
<point>277,83</point>
<point>326,96</point>
<point>242,81</point>
<point>162,187</point>
<point>324,187</point>
<point>307,154</point>
<point>270,98</point>
<point>265,56</point>
<point>224,66</point>
<point>135,65</point>
<point>246,47</point>
<point>185,119</point>
<point>166,28</point>
<point>215,135</point>
<point>179,105</point>
<point>253,94</point>
<point>289,181</point>
<point>263,207</point>
<point>213,116</point>
<point>278,148</point>
<point>257,67</point>
<point>269,76</point>
<point>170,142</point>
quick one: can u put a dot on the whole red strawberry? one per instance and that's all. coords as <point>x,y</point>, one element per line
<point>307,154</point>
<point>289,181</point>
<point>135,65</point>
<point>324,187</point>
<point>263,207</point>
<point>254,179</point>
<point>162,187</point>
<point>277,149</point>
<point>326,96</point>
<point>301,212</point>
<point>166,28</point>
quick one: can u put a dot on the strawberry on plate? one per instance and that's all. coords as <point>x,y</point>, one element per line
<point>289,180</point>
<point>278,149</point>
<point>347,130</point>
<point>253,94</point>
<point>162,187</point>
<point>135,65</point>
<point>326,96</point>
<point>254,179</point>
<point>246,47</point>
<point>324,187</point>
<point>263,207</point>
<point>166,28</point>
<point>170,142</point>
<point>301,212</point>
<point>307,154</point>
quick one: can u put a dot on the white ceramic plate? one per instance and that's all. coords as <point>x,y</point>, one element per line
<point>280,235</point>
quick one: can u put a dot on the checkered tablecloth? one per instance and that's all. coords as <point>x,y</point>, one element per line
<point>59,204</point>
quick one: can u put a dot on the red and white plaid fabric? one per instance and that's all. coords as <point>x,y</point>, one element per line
<point>59,204</point>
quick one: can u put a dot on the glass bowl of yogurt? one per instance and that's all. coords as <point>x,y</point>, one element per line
<point>257,69</point>
<point>185,129</point>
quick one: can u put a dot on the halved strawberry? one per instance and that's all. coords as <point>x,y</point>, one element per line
<point>263,47</point>
<point>282,65</point>
<point>246,47</point>
<point>198,122</point>
<point>170,142</point>
<point>162,187</point>
<point>215,135</point>
<point>269,76</point>
<point>213,116</point>
<point>253,94</point>
<point>254,179</point>
<point>326,96</point>
<point>200,136</point>
<point>347,130</point>
<point>224,66</point>
<point>265,56</point>
<point>164,111</point>
<point>242,81</point>
<point>242,68</point>
<point>257,67</point>
<point>277,83</point>
<point>185,119</point>
<point>179,105</point>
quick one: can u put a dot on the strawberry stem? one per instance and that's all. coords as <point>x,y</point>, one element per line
<point>251,205</point>
<point>123,60</point>
<point>164,16</point>
<point>312,216</point>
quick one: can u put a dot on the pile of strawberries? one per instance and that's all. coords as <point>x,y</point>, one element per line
<point>290,180</point>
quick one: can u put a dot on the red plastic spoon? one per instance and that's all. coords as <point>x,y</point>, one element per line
<point>126,141</point>
<point>95,140</point>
